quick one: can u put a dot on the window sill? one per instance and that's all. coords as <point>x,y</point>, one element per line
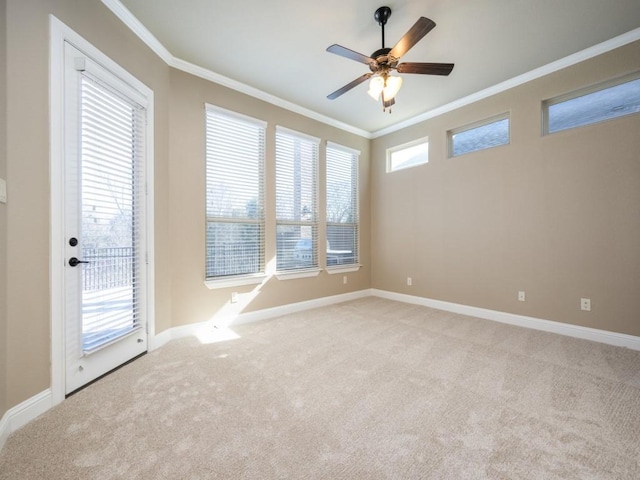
<point>235,281</point>
<point>298,274</point>
<point>343,269</point>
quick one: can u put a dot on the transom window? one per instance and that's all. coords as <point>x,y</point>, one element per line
<point>408,155</point>
<point>491,132</point>
<point>591,105</point>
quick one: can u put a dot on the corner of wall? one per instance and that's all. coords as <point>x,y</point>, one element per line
<point>3,214</point>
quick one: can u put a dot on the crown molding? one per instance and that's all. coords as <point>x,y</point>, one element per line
<point>120,11</point>
<point>214,77</point>
<point>125,15</point>
<point>552,67</point>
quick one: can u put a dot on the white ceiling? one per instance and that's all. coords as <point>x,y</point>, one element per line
<point>278,47</point>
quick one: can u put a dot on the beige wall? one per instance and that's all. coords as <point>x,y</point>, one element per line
<point>181,296</point>
<point>27,301</point>
<point>556,216</point>
<point>3,210</point>
<point>192,301</point>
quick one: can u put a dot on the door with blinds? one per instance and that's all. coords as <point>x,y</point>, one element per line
<point>105,221</point>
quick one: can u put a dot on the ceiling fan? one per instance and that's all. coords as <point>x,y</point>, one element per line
<point>383,61</point>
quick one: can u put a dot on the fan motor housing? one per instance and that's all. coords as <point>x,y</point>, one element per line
<point>383,59</point>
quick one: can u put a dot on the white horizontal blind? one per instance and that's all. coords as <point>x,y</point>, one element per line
<point>342,206</point>
<point>296,200</point>
<point>235,153</point>
<point>112,142</point>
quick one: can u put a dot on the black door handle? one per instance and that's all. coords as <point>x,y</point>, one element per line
<point>73,261</point>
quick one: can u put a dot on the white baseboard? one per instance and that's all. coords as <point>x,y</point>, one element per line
<point>195,329</point>
<point>5,429</point>
<point>585,333</point>
<point>268,313</point>
<point>31,408</point>
<point>23,413</point>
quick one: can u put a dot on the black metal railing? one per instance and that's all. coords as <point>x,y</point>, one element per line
<point>110,267</point>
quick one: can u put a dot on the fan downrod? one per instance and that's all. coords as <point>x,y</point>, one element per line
<point>381,16</point>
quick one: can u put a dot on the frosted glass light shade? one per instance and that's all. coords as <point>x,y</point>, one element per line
<point>388,86</point>
<point>392,87</point>
<point>376,85</point>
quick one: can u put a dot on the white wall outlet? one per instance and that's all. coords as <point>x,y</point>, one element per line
<point>344,280</point>
<point>234,297</point>
<point>585,304</point>
<point>521,296</point>
<point>409,281</point>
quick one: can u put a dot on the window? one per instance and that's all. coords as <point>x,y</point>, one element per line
<point>111,205</point>
<point>592,105</point>
<point>296,201</point>
<point>235,152</point>
<point>488,133</point>
<point>342,206</point>
<point>408,155</point>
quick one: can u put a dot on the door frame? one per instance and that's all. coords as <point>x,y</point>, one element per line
<point>59,34</point>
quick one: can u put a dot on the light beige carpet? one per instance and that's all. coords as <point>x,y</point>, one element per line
<point>369,389</point>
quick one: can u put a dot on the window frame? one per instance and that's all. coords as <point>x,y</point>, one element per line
<point>581,92</point>
<point>355,210</point>
<point>406,146</point>
<point>231,280</point>
<point>475,125</point>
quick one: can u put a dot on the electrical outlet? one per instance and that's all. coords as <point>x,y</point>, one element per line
<point>234,297</point>
<point>585,304</point>
<point>409,281</point>
<point>521,296</point>
<point>344,280</point>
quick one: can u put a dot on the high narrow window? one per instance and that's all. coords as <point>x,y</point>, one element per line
<point>235,152</point>
<point>342,206</point>
<point>592,105</point>
<point>491,132</point>
<point>408,155</point>
<point>296,200</point>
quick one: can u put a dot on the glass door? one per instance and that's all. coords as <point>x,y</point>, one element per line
<point>105,227</point>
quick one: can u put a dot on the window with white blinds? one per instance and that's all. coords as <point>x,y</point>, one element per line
<point>296,200</point>
<point>235,153</point>
<point>342,206</point>
<point>112,144</point>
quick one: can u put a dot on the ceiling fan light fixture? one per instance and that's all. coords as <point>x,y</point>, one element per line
<point>392,87</point>
<point>385,60</point>
<point>376,86</point>
<point>388,86</point>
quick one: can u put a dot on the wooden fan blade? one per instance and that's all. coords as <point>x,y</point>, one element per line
<point>349,86</point>
<point>414,35</point>
<point>425,68</point>
<point>345,52</point>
